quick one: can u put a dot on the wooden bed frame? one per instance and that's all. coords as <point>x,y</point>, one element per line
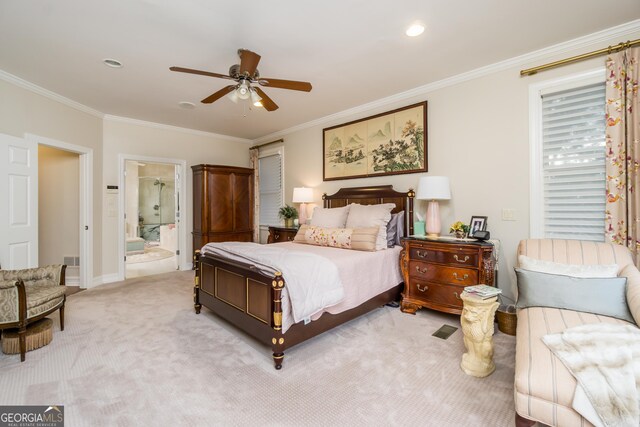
<point>251,301</point>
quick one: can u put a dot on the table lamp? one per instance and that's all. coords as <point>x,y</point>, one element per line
<point>302,195</point>
<point>433,188</point>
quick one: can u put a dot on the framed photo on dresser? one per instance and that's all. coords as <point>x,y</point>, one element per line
<point>477,223</point>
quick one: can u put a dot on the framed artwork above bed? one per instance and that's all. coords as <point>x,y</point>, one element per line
<point>389,143</point>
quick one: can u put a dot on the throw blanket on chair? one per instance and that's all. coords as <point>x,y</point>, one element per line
<point>605,360</point>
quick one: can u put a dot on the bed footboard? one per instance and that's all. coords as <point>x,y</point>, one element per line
<point>243,296</point>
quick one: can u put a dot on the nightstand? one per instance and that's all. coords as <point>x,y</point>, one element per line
<point>436,271</point>
<point>281,234</point>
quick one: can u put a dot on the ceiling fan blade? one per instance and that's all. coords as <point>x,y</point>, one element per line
<point>248,62</point>
<point>202,73</point>
<point>285,84</point>
<point>219,94</point>
<point>267,102</point>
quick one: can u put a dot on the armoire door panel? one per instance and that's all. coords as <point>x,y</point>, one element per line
<point>242,202</point>
<point>220,202</point>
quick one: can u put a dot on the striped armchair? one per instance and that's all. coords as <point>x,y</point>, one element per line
<point>29,295</point>
<point>544,388</point>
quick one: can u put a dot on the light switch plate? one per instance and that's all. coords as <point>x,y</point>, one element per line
<point>508,214</point>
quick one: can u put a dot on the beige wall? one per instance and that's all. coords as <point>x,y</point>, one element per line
<point>23,111</point>
<point>58,207</point>
<point>143,140</point>
<point>477,136</point>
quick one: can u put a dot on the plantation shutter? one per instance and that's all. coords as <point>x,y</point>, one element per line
<point>573,138</point>
<point>270,189</point>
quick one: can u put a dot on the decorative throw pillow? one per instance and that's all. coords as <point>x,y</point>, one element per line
<point>332,218</point>
<point>575,270</point>
<point>361,216</point>
<point>606,296</point>
<point>359,239</point>
<point>395,229</point>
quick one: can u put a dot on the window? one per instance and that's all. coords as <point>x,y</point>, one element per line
<point>271,192</point>
<point>568,173</point>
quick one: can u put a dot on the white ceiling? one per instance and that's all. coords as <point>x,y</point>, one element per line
<point>353,52</point>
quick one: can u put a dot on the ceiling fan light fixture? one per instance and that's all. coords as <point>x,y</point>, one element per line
<point>243,91</point>
<point>233,95</point>
<point>255,98</point>
<point>258,104</point>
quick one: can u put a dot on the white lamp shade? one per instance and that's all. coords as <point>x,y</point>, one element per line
<point>302,195</point>
<point>433,188</point>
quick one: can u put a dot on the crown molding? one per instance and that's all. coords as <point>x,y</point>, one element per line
<point>111,118</point>
<point>17,81</point>
<point>583,42</point>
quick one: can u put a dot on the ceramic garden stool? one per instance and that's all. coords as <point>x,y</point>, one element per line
<point>477,327</point>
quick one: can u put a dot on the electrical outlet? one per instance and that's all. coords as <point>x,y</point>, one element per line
<point>508,214</point>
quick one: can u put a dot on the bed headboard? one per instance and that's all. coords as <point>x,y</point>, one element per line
<point>375,196</point>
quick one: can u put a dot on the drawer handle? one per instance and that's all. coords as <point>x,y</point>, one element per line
<point>456,295</point>
<point>422,289</point>
<point>276,236</point>
<point>424,270</point>
<point>421,254</point>
<point>466,258</point>
<point>290,238</point>
<point>465,277</point>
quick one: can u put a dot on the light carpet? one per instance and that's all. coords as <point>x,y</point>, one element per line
<point>135,353</point>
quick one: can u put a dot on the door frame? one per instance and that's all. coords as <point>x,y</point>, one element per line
<point>85,202</point>
<point>182,228</point>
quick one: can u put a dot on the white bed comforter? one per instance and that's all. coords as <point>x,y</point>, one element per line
<point>312,281</point>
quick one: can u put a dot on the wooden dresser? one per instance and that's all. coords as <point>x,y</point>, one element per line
<point>222,204</point>
<point>437,270</point>
<point>281,234</point>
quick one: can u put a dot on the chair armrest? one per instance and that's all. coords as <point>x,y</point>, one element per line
<point>7,284</point>
<point>633,290</point>
<point>10,298</point>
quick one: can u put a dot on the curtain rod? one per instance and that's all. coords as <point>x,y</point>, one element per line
<point>256,147</point>
<point>610,49</point>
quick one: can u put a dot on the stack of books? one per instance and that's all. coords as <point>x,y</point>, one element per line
<point>482,291</point>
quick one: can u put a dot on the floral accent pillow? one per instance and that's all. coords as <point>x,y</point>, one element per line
<point>360,239</point>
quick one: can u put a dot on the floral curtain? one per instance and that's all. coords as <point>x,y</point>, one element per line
<point>253,153</point>
<point>623,150</point>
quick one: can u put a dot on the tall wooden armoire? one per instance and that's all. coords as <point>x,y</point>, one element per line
<point>222,204</point>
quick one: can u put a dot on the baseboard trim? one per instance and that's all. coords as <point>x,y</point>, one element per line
<point>105,278</point>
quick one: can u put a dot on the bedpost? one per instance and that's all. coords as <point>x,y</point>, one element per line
<point>277,342</point>
<point>196,285</point>
<point>411,194</point>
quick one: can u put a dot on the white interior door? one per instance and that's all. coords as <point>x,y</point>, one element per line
<point>18,203</point>
<point>178,219</point>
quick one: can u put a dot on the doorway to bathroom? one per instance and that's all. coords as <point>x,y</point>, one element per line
<point>151,219</point>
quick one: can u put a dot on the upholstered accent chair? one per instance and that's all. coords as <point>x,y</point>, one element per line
<point>29,295</point>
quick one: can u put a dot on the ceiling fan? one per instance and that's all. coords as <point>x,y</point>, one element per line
<point>245,74</point>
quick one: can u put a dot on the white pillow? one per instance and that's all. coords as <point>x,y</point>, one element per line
<point>574,270</point>
<point>362,216</point>
<point>330,218</point>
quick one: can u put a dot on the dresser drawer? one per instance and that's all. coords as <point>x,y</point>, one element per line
<point>444,257</point>
<point>435,293</point>
<point>443,274</point>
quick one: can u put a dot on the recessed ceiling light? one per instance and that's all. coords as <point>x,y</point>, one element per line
<point>113,63</point>
<point>414,30</point>
<point>187,105</point>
